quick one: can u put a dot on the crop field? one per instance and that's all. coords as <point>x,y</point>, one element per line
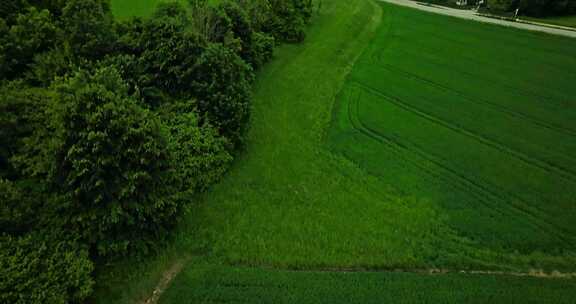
<point>227,284</point>
<point>477,118</point>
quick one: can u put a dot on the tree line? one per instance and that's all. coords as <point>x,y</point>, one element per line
<point>110,129</point>
<point>535,8</point>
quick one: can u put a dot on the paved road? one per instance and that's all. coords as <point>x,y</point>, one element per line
<point>471,15</point>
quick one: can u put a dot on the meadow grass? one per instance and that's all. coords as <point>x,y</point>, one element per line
<point>369,166</point>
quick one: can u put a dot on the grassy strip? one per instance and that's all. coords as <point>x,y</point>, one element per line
<point>569,21</point>
<point>209,283</point>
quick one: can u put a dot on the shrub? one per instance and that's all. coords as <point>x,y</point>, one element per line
<point>262,49</point>
<point>222,85</point>
<point>198,153</point>
<point>21,113</point>
<point>38,269</point>
<point>105,159</point>
<point>501,5</point>
<point>88,28</point>
<point>32,32</point>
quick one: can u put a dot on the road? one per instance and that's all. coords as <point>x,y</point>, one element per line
<point>471,15</point>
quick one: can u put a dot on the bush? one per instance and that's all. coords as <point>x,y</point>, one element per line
<point>105,159</point>
<point>198,154</point>
<point>262,49</point>
<point>502,5</point>
<point>40,269</point>
<point>88,29</point>
<point>222,85</point>
<point>33,32</point>
<point>21,114</point>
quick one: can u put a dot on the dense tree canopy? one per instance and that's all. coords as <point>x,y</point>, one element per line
<point>535,7</point>
<point>109,130</point>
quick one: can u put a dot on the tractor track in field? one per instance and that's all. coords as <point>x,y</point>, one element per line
<point>544,100</point>
<point>480,101</point>
<point>538,163</point>
<point>471,55</point>
<point>484,195</point>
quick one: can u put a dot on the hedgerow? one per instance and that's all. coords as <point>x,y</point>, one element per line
<point>109,130</point>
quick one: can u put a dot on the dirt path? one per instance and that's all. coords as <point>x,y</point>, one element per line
<point>471,15</point>
<point>164,282</point>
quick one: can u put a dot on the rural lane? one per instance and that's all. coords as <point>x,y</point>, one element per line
<point>471,15</point>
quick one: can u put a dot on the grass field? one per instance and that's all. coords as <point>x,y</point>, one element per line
<point>447,145</point>
<point>569,21</point>
<point>226,284</point>
<point>434,109</point>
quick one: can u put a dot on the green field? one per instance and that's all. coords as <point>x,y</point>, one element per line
<point>448,144</point>
<point>225,284</point>
<point>569,21</point>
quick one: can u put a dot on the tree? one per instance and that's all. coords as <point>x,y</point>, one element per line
<point>222,85</point>
<point>32,32</point>
<point>502,5</point>
<point>88,28</point>
<point>198,153</point>
<point>38,268</point>
<point>104,158</point>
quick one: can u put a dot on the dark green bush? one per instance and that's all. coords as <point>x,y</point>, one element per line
<point>262,49</point>
<point>104,157</point>
<point>21,114</point>
<point>199,156</point>
<point>222,85</point>
<point>38,268</point>
<point>33,32</point>
<point>88,28</point>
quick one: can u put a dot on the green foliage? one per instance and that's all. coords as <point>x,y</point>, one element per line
<point>262,49</point>
<point>32,32</point>
<point>15,211</point>
<point>289,19</point>
<point>87,26</point>
<point>109,162</point>
<point>47,66</point>
<point>199,156</point>
<point>37,268</point>
<point>536,8</point>
<point>21,114</point>
<point>222,85</point>
<point>547,7</point>
<point>502,5</point>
